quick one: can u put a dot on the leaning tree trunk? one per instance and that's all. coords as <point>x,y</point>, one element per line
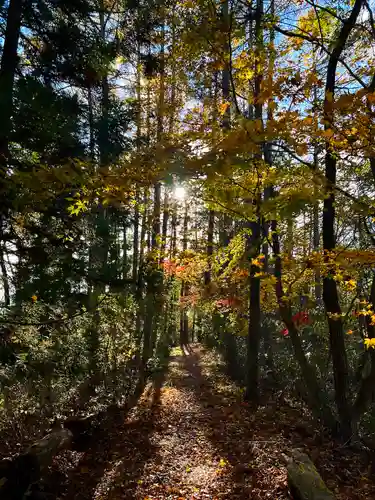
<point>315,396</point>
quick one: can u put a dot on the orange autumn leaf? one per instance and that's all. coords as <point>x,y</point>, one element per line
<point>223,107</point>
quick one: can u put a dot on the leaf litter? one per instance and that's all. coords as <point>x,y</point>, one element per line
<point>192,437</point>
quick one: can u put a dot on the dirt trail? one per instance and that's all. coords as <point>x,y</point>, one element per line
<point>191,437</point>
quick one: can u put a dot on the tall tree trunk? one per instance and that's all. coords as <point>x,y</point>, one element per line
<point>100,253</point>
<point>330,293</point>
<point>140,274</point>
<point>155,243</point>
<point>124,252</point>
<point>366,390</point>
<point>211,213</point>
<point>104,131</point>
<point>4,273</point>
<point>91,122</point>
<point>210,246</point>
<point>139,135</point>
<point>172,110</point>
<point>184,324</point>
<point>154,287</point>
<point>164,230</point>
<point>266,331</point>
<point>9,62</point>
<point>254,241</point>
<point>315,221</point>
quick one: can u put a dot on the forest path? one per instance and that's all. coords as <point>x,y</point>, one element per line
<point>190,436</point>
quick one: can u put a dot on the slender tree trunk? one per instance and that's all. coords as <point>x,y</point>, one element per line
<point>315,221</point>
<point>165,224</point>
<point>91,122</point>
<point>184,324</point>
<point>124,252</point>
<point>172,111</point>
<point>211,213</point>
<point>254,241</point>
<point>100,252</point>
<point>154,288</point>
<point>140,275</point>
<point>155,243</point>
<point>4,272</point>
<point>266,331</point>
<point>139,135</point>
<point>315,397</point>
<point>210,246</point>
<point>103,131</point>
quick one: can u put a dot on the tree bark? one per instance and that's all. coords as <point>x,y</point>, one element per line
<point>330,293</point>
<point>184,325</point>
<point>210,246</point>
<point>254,240</point>
<point>27,468</point>
<point>9,62</point>
<point>164,230</point>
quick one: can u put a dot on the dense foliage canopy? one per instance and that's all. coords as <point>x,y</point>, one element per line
<point>182,171</point>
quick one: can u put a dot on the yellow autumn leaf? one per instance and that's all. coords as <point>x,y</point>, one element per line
<point>370,343</point>
<point>350,284</point>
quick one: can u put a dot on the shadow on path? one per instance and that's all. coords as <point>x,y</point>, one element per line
<point>116,453</point>
<point>252,441</point>
<point>230,427</point>
<point>191,437</point>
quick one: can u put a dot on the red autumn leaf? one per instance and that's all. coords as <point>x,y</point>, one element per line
<point>301,318</point>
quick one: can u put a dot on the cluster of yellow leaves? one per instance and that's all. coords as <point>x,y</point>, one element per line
<point>370,343</point>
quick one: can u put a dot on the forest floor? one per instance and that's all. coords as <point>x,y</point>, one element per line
<point>191,436</point>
